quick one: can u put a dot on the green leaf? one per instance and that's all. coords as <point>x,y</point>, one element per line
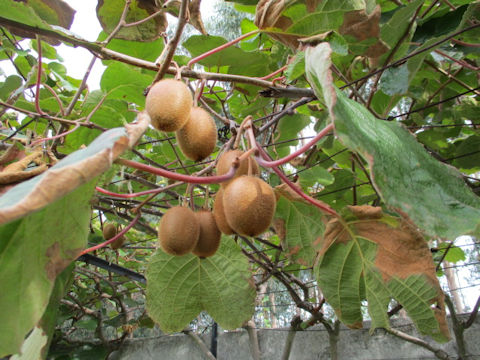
<point>374,257</point>
<point>394,81</point>
<point>297,67</point>
<point>314,175</point>
<point>125,82</point>
<point>301,225</point>
<point>38,341</point>
<point>12,83</point>
<point>33,251</point>
<point>109,13</point>
<point>238,60</point>
<point>433,194</point>
<point>180,287</point>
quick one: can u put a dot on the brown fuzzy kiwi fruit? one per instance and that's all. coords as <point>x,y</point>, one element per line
<point>219,214</point>
<point>197,139</point>
<point>109,231</point>
<point>209,239</point>
<point>225,162</point>
<point>178,231</point>
<point>249,205</point>
<point>168,104</point>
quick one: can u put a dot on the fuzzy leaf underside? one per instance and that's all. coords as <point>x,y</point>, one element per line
<point>180,287</point>
<point>433,194</point>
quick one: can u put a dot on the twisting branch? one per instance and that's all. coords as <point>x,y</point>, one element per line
<point>173,43</point>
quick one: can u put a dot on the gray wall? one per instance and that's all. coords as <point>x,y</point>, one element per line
<point>310,344</point>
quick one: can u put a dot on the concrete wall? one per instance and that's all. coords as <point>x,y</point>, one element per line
<point>308,345</point>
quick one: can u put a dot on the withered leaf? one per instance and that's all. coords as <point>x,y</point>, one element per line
<point>364,26</point>
<point>378,257</point>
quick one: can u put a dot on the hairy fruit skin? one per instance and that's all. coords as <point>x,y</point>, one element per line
<point>210,235</point>
<point>225,162</point>
<point>178,231</point>
<point>168,104</point>
<point>249,204</point>
<point>109,231</point>
<point>198,137</point>
<point>219,214</point>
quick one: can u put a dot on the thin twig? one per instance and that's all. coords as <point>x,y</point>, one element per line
<point>439,353</point>
<point>173,43</point>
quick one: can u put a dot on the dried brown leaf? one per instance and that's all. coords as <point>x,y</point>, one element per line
<point>364,26</point>
<point>196,17</point>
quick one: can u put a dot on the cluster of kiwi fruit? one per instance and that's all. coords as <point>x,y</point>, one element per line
<point>169,104</point>
<point>182,231</point>
<point>245,204</point>
<point>109,231</point>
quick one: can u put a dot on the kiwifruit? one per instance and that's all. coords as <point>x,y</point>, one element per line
<point>249,205</point>
<point>225,162</point>
<point>198,137</point>
<point>209,239</point>
<point>219,214</point>
<point>178,231</point>
<point>168,104</point>
<point>109,231</point>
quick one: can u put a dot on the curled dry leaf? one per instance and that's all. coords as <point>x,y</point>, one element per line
<point>71,172</point>
<point>196,17</point>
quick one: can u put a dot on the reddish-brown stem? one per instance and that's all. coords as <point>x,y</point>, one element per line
<point>463,43</point>
<point>221,47</point>
<point>283,68</point>
<point>121,233</point>
<point>459,62</point>
<point>132,195</point>
<point>319,204</point>
<point>180,177</point>
<point>59,102</point>
<point>293,155</point>
<point>39,141</point>
<point>39,77</point>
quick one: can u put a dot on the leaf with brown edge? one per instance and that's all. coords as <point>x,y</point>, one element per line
<point>363,26</point>
<point>110,11</point>
<point>408,179</point>
<point>378,257</point>
<point>35,243</point>
<point>71,172</point>
<point>53,12</point>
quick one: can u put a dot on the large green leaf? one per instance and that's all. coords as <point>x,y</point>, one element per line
<point>33,251</point>
<point>36,244</point>
<point>238,60</point>
<point>300,226</point>
<point>179,287</point>
<point>109,13</point>
<point>374,257</point>
<point>432,194</point>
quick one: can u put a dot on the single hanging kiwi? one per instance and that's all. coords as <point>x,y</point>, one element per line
<point>109,231</point>
<point>210,235</point>
<point>198,137</point>
<point>219,214</point>
<point>178,231</point>
<point>249,205</point>
<point>225,162</point>
<point>168,104</point>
